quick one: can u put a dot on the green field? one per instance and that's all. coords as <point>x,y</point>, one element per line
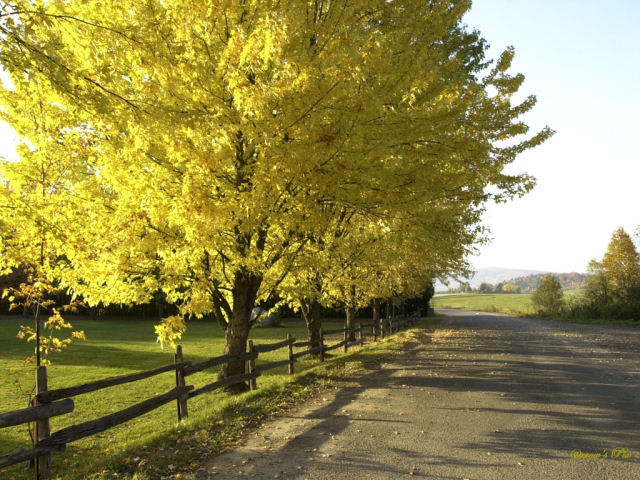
<point>511,303</point>
<point>116,347</point>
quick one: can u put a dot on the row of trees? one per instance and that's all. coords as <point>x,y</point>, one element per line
<point>611,288</point>
<point>229,153</point>
<point>525,284</point>
<point>485,287</point>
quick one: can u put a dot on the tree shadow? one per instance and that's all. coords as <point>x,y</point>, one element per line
<point>539,376</point>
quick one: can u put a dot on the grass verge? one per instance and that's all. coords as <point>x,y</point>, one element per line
<point>518,304</point>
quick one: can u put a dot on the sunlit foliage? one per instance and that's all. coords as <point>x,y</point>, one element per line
<point>211,149</point>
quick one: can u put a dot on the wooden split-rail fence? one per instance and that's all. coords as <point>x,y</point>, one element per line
<point>50,403</point>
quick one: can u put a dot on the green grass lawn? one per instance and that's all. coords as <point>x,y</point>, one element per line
<point>116,347</point>
<point>516,304</point>
<point>509,303</point>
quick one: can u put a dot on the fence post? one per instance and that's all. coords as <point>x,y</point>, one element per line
<point>291,359</point>
<point>183,411</point>
<point>253,384</point>
<point>346,339</point>
<point>322,345</point>
<point>41,428</point>
<point>361,333</point>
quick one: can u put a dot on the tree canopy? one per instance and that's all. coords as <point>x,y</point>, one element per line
<point>204,149</point>
<point>621,264</point>
<point>596,285</point>
<point>548,297</point>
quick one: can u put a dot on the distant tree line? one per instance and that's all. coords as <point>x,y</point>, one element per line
<point>485,287</point>
<point>568,281</point>
<point>526,284</point>
<point>611,287</point>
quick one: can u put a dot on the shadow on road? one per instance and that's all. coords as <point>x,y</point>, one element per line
<point>583,389</point>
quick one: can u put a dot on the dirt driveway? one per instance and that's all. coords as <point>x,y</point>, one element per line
<point>481,396</point>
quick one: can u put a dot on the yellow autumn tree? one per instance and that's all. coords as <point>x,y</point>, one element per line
<point>35,207</point>
<point>363,259</point>
<point>621,264</point>
<point>224,135</point>
<point>400,256</point>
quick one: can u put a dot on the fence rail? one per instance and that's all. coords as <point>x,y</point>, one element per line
<point>272,346</point>
<point>337,345</point>
<point>51,395</point>
<point>86,429</point>
<point>23,455</point>
<point>39,412</point>
<point>223,383</point>
<point>50,403</point>
<point>269,366</point>
<point>212,362</point>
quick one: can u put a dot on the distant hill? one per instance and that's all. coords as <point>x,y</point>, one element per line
<point>527,279</point>
<point>569,281</point>
<point>491,275</point>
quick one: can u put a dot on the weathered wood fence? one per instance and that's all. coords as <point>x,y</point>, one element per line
<point>49,403</point>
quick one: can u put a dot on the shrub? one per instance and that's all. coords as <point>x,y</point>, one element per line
<point>548,297</point>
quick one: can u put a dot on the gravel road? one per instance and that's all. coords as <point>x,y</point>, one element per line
<point>480,396</point>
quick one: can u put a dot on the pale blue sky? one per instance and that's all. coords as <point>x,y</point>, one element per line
<point>582,60</point>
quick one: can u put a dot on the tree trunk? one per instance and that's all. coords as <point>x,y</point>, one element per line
<point>245,289</point>
<point>375,307</point>
<point>311,313</point>
<point>351,319</point>
<point>36,315</point>
<point>161,302</point>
